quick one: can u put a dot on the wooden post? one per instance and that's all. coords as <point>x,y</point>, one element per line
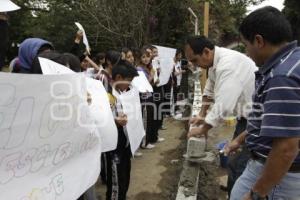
<point>205,31</point>
<point>206,18</point>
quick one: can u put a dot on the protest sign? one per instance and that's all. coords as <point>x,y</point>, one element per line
<point>166,63</point>
<point>7,5</point>
<point>101,111</point>
<point>99,107</point>
<point>44,152</point>
<point>141,83</point>
<point>85,40</point>
<point>50,67</point>
<point>131,106</point>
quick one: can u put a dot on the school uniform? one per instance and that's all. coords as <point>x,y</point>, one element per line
<point>167,97</point>
<point>158,95</point>
<point>118,162</point>
<point>177,81</point>
<point>106,80</point>
<point>148,114</point>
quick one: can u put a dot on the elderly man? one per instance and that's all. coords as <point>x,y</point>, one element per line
<point>272,134</point>
<point>230,86</point>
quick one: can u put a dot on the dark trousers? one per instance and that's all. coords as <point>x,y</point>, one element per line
<point>148,111</point>
<point>3,41</point>
<point>176,90</point>
<point>103,173</point>
<point>167,98</point>
<point>237,163</point>
<point>118,174</point>
<point>158,96</point>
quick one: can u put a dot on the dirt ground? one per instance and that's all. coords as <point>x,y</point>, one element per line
<point>155,175</point>
<point>210,174</point>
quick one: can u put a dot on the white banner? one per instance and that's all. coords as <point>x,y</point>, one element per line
<point>100,108</point>
<point>166,61</point>
<point>7,5</point>
<point>50,67</point>
<point>101,111</point>
<point>131,105</point>
<point>85,40</point>
<point>141,83</point>
<point>45,153</point>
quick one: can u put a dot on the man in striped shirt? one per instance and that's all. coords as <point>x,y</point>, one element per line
<point>273,129</point>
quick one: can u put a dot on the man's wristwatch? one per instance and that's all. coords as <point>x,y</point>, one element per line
<point>256,196</point>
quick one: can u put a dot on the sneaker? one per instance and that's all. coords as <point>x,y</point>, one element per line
<point>149,146</point>
<point>161,139</point>
<point>138,154</point>
<point>178,116</point>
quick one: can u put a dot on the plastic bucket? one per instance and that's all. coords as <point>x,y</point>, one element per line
<point>223,159</point>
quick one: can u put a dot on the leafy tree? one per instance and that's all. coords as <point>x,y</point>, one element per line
<point>112,24</point>
<point>52,20</point>
<point>292,12</point>
<point>225,18</point>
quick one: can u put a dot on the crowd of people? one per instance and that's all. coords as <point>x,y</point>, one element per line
<point>268,164</point>
<point>110,68</point>
<point>266,139</point>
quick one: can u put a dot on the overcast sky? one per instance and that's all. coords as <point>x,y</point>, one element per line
<point>275,3</point>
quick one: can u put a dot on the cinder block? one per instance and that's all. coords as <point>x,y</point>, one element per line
<point>196,147</point>
<point>210,158</point>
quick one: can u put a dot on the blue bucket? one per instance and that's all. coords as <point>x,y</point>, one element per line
<point>223,159</point>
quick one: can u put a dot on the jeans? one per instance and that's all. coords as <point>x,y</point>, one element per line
<point>237,163</point>
<point>287,189</point>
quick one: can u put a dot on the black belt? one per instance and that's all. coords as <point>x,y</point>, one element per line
<point>295,168</point>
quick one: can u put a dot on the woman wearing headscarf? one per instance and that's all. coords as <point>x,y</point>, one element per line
<point>28,52</point>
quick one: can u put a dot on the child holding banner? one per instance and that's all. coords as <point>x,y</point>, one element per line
<point>119,160</point>
<point>178,72</point>
<point>105,76</point>
<point>88,66</point>
<point>158,93</point>
<point>147,101</point>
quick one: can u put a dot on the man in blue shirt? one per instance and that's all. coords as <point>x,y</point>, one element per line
<point>273,130</point>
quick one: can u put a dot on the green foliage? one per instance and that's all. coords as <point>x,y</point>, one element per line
<point>52,20</point>
<point>112,24</point>
<point>241,48</point>
<point>292,12</point>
